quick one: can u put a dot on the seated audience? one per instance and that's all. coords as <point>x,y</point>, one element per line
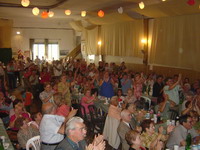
<point>52,127</point>
<point>134,140</point>
<point>178,136</point>
<point>62,108</point>
<point>75,137</point>
<point>150,137</point>
<point>87,100</point>
<point>47,95</point>
<point>130,98</point>
<point>18,112</point>
<point>25,132</point>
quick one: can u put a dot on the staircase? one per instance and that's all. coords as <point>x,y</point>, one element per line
<point>74,53</point>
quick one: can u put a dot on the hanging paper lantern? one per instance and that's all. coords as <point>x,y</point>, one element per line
<point>141,5</point>
<point>25,3</point>
<point>44,15</point>
<point>83,13</point>
<point>51,14</point>
<point>100,13</point>
<point>35,11</point>
<point>68,12</point>
<point>191,2</point>
<point>120,10</point>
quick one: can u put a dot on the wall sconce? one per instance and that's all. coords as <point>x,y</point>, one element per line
<point>99,43</point>
<point>18,32</point>
<point>144,41</point>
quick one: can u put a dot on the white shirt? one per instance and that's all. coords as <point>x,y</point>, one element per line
<point>49,126</point>
<point>56,72</point>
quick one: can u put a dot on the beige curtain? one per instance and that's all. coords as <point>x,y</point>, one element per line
<point>5,33</point>
<point>175,42</point>
<point>91,39</point>
<point>122,39</point>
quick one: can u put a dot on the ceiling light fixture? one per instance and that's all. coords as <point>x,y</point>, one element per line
<point>120,10</point>
<point>141,5</point>
<point>25,3</point>
<point>68,12</point>
<point>18,32</point>
<point>50,14</point>
<point>83,13</point>
<point>100,13</point>
<point>35,11</point>
<point>163,0</point>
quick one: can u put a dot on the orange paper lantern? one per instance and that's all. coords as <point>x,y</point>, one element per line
<point>44,15</point>
<point>100,13</point>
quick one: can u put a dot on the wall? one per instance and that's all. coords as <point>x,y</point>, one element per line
<point>59,32</point>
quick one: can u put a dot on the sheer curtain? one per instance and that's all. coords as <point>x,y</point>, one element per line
<point>175,42</point>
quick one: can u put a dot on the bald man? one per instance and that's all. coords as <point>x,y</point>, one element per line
<point>52,127</point>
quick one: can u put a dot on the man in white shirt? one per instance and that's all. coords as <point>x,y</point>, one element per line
<point>52,127</point>
<point>172,89</point>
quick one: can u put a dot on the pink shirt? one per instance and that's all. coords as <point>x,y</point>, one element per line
<point>63,110</point>
<point>84,104</point>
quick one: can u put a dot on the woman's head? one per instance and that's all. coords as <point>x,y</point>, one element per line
<point>37,116</point>
<point>114,101</point>
<point>58,99</point>
<point>119,92</point>
<point>21,122</point>
<point>130,92</point>
<point>195,117</point>
<point>131,108</point>
<point>87,92</point>
<point>133,138</point>
<point>47,87</point>
<point>63,78</point>
<point>148,126</point>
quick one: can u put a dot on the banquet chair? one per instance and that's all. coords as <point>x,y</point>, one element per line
<point>97,120</point>
<point>174,114</point>
<point>147,99</point>
<point>33,143</point>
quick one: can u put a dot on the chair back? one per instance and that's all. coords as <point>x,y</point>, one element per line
<point>82,112</point>
<point>174,114</point>
<point>33,143</point>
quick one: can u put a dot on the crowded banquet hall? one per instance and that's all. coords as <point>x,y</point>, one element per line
<point>99,75</point>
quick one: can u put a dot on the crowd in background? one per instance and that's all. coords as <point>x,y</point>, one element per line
<point>52,85</point>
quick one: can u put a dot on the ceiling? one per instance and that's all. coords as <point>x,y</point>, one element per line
<point>12,9</point>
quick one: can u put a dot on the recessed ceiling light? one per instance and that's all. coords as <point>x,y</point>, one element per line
<point>18,33</point>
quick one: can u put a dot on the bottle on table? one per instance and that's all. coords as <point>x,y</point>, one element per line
<point>1,144</point>
<point>188,142</point>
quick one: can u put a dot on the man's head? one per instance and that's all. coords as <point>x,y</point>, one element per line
<point>76,129</point>
<point>169,81</point>
<point>159,79</point>
<point>48,108</point>
<point>186,121</point>
<point>126,116</point>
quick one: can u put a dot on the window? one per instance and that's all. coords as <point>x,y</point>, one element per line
<point>53,52</point>
<point>38,50</point>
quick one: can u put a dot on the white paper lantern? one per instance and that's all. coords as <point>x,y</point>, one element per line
<point>141,5</point>
<point>35,11</point>
<point>67,12</point>
<point>83,13</point>
<point>25,3</point>
<point>51,14</point>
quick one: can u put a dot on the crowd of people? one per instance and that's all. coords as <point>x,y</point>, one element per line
<point>131,123</point>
